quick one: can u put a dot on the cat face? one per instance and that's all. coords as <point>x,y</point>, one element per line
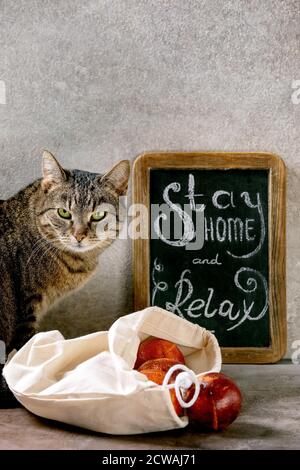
<point>80,211</point>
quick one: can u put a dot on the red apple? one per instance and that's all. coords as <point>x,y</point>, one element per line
<point>156,348</point>
<point>156,370</point>
<point>218,404</point>
<point>162,363</point>
<point>156,376</point>
<point>177,407</point>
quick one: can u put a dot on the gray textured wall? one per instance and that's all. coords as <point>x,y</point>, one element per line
<point>99,80</point>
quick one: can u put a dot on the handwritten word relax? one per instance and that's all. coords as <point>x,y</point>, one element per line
<point>185,307</point>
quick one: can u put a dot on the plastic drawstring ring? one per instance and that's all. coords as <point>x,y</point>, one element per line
<point>183,382</point>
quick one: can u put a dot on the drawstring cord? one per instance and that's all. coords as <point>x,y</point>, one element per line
<point>183,382</point>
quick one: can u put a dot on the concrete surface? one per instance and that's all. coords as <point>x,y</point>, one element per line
<point>270,419</point>
<point>99,80</point>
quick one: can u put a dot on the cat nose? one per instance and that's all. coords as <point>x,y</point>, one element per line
<point>79,235</point>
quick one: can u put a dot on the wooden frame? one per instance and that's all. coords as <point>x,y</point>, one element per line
<point>277,237</point>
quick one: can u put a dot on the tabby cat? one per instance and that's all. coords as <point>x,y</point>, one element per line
<point>51,234</point>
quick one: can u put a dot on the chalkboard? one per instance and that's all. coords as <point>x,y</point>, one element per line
<point>213,234</point>
<point>222,286</point>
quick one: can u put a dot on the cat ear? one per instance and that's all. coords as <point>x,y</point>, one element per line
<point>53,173</point>
<point>118,176</point>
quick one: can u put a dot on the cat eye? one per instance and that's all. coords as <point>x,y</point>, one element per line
<point>97,216</point>
<point>63,213</point>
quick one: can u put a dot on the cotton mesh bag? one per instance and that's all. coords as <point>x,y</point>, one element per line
<point>90,382</point>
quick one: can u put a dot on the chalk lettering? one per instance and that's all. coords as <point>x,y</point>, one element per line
<point>245,279</point>
<point>208,261</point>
<point>245,195</point>
<point>221,229</point>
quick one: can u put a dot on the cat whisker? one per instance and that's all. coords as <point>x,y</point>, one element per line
<point>50,250</point>
<point>40,245</point>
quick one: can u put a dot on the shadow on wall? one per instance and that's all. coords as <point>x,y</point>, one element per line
<point>293,263</point>
<point>102,300</point>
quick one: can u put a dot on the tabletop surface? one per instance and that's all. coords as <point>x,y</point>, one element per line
<point>270,419</point>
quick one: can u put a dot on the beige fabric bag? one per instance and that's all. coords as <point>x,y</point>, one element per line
<point>89,381</point>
